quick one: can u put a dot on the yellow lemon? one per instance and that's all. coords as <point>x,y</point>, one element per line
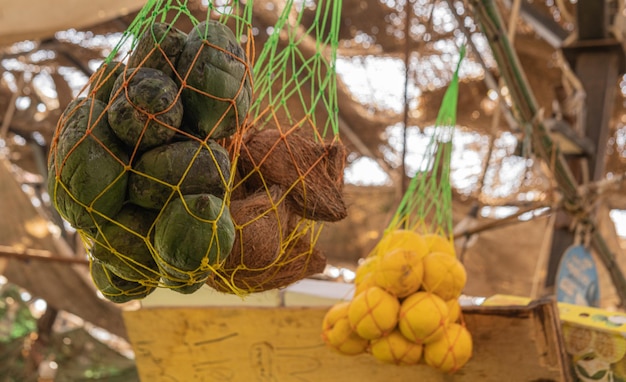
<point>338,334</point>
<point>422,317</point>
<point>402,238</point>
<point>395,348</point>
<point>454,310</point>
<point>367,267</point>
<point>444,275</point>
<point>400,272</point>
<point>366,282</point>
<point>373,313</point>
<point>439,243</point>
<point>451,351</point>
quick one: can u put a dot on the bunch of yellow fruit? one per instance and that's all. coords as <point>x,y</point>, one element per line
<point>405,308</point>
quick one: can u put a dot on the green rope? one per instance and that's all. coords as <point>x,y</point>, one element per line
<point>429,194</point>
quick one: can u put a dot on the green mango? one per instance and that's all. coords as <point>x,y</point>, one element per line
<point>115,288</point>
<point>122,244</point>
<point>158,48</point>
<point>103,80</point>
<point>192,235</point>
<point>218,91</point>
<point>144,109</point>
<point>87,178</point>
<point>157,171</point>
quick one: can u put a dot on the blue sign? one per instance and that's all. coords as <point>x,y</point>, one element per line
<point>577,278</point>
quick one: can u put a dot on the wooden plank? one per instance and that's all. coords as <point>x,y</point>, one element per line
<point>37,19</point>
<point>284,344</point>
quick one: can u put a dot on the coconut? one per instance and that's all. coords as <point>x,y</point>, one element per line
<point>261,222</point>
<point>264,226</point>
<point>311,171</point>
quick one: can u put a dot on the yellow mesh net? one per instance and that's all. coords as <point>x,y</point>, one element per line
<point>178,169</point>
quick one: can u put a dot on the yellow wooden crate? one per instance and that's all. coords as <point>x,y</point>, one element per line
<point>246,342</point>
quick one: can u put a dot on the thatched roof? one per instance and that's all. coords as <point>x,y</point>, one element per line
<point>63,61</point>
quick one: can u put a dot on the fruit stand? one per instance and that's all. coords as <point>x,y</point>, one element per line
<point>211,183</point>
<point>201,171</point>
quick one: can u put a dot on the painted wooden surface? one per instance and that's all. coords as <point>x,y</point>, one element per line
<point>261,344</point>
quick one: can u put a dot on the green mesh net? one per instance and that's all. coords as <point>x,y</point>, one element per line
<point>426,206</point>
<point>191,161</point>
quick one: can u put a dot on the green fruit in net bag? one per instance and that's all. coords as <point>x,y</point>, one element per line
<point>145,109</point>
<point>122,244</point>
<point>217,90</point>
<point>115,288</point>
<point>196,167</point>
<point>185,287</point>
<point>158,48</point>
<point>103,80</point>
<point>192,235</point>
<point>87,178</point>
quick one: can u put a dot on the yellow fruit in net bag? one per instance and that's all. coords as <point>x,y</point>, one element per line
<point>450,352</point>
<point>402,238</point>
<point>366,268</point>
<point>397,349</point>
<point>400,272</point>
<point>373,313</point>
<point>338,334</point>
<point>366,282</point>
<point>439,243</point>
<point>423,317</point>
<point>444,275</point>
<point>454,310</point>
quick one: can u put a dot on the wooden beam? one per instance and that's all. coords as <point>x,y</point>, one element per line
<point>525,105</point>
<point>544,25</point>
<point>27,255</point>
<point>592,18</point>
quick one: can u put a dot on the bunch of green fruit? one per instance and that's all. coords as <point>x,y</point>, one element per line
<point>136,166</point>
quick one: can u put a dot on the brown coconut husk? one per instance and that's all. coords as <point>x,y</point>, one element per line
<point>257,262</point>
<point>261,225</point>
<point>238,190</point>
<point>299,261</point>
<point>312,172</point>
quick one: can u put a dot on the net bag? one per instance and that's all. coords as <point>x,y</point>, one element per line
<point>289,173</point>
<point>406,294</point>
<point>147,162</point>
